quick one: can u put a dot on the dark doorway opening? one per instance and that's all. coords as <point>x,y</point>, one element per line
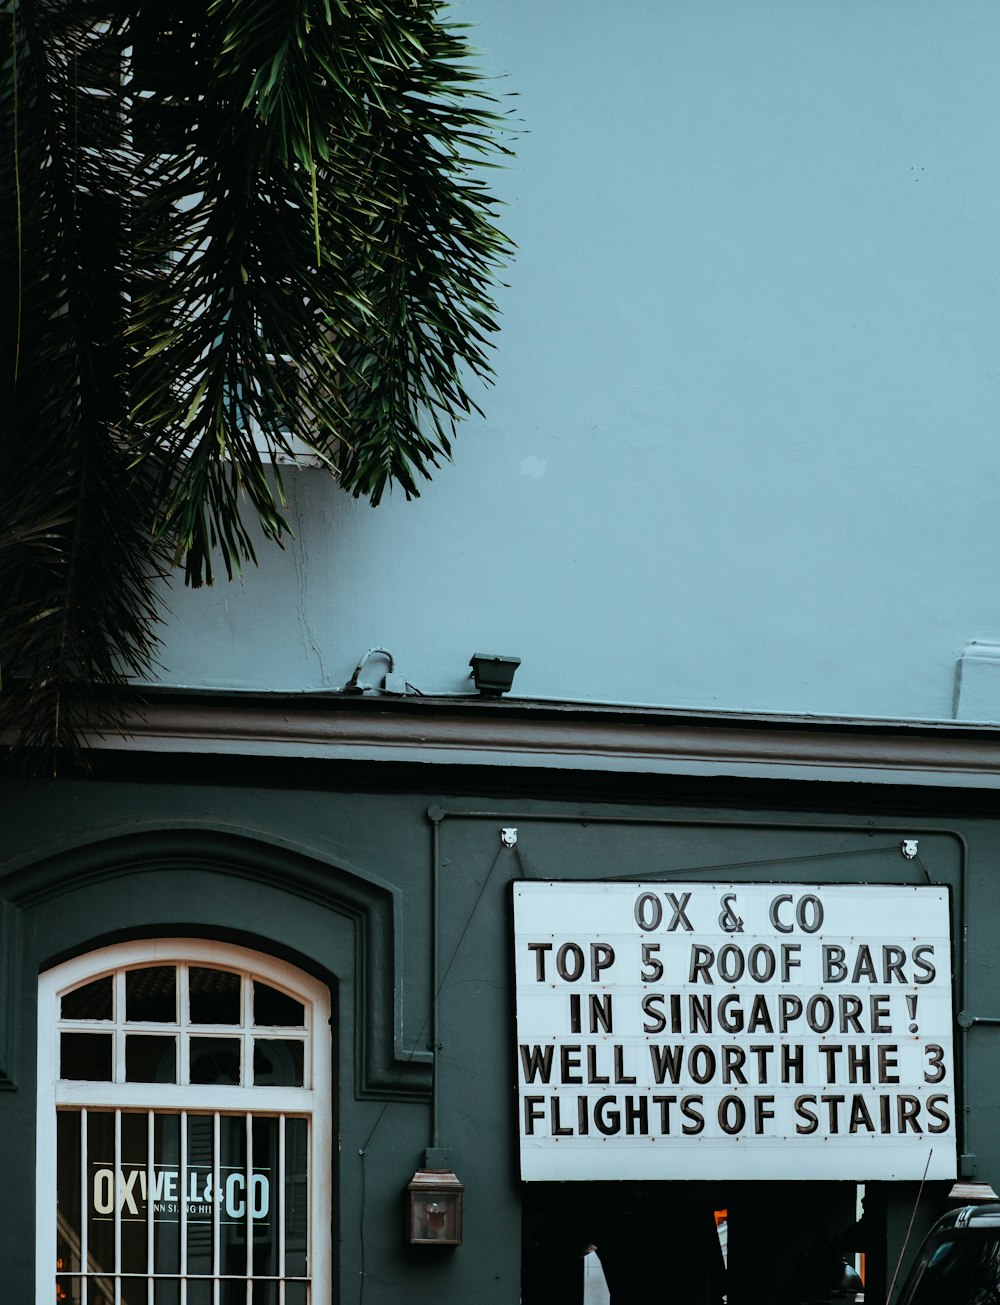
<point>654,1241</point>
<point>688,1243</point>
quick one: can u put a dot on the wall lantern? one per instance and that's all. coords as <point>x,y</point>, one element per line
<point>493,674</point>
<point>435,1208</point>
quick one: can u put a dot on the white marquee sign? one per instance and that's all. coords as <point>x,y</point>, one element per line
<point>693,1030</point>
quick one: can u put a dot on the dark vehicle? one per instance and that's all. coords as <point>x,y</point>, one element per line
<point>959,1262</point>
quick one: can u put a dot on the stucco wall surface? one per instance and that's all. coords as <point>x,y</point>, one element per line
<point>742,450</point>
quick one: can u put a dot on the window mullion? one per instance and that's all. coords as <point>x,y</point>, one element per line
<point>117,1206</point>
<point>118,1068</point>
<point>310,1049</point>
<point>183,1044</point>
<point>150,1203</point>
<point>248,1213</point>
<point>216,1249</point>
<point>247,1081</point>
<point>246,1077</point>
<point>278,1206</point>
<point>84,1206</point>
<point>182,1203</point>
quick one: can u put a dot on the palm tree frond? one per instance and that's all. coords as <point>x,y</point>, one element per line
<point>227,228</point>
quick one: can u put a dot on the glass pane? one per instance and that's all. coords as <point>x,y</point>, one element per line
<point>271,1007</point>
<point>86,1056</point>
<point>150,1058</point>
<point>101,1192</point>
<point>198,1183</point>
<point>296,1196</point>
<point>167,1293</point>
<point>133,1181</point>
<point>151,995</point>
<point>277,1063</point>
<point>213,996</point>
<point>199,1293</point>
<point>215,1060</point>
<point>233,1293</point>
<point>265,1293</point>
<point>69,1229</point>
<point>166,1179</point>
<point>94,1001</point>
<point>134,1291</point>
<point>296,1293</point>
<point>233,1214</point>
<point>263,1206</point>
<point>68,1291</point>
<point>101,1291</point>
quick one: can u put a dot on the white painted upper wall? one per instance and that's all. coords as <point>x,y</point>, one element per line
<point>743,451</point>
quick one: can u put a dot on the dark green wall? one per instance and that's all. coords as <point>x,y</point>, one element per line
<point>340,883</point>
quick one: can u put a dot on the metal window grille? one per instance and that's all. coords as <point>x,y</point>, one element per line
<point>186,1160</point>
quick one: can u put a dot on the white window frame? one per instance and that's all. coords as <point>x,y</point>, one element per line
<point>314,1099</point>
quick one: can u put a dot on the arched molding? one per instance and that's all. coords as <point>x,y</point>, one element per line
<point>384,1068</point>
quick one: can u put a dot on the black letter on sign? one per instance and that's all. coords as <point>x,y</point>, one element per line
<point>762,962</point>
<point>803,1110</point>
<point>819,1013</point>
<point>679,908</point>
<point>929,972</point>
<point>729,920</point>
<point>690,1111</point>
<point>773,913</point>
<point>648,912</point>
<point>701,958</point>
<point>815,914</point>
<point>576,953</point>
<point>655,1014</point>
<point>935,1070</point>
<point>732,1115</point>
<point>654,967</point>
<point>834,969</point>
<point>933,1109</point>
<point>731,963</point>
<point>600,1011</point>
<point>539,949</point>
<point>607,1116</point>
<point>534,1108</point>
<point>601,957</point>
<point>536,1062</point>
<point>761,1113</point>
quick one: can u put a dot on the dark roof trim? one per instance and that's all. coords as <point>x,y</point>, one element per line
<point>549,735</point>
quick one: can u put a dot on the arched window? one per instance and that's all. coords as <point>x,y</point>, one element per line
<point>184,1134</point>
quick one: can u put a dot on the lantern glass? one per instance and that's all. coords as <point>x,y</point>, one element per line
<point>435,1208</point>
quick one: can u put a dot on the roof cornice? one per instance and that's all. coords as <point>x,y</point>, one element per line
<point>524,733</point>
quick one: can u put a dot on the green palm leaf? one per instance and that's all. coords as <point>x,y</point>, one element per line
<point>225,224</point>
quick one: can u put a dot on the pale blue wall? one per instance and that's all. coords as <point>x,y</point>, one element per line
<point>744,447</point>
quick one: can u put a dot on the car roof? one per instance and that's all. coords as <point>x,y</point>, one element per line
<point>972,1217</point>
